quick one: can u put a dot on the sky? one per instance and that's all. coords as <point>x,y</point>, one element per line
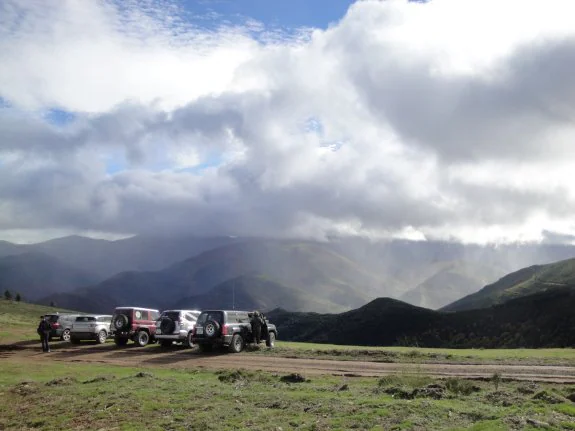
<point>429,120</point>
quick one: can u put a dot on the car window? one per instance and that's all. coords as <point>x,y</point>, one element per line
<point>217,316</point>
<point>243,317</point>
<point>53,318</point>
<point>85,319</point>
<point>190,317</point>
<point>174,315</point>
<point>154,315</point>
<point>140,314</point>
<point>105,319</point>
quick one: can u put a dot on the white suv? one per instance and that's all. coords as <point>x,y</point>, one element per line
<point>91,327</point>
<point>176,325</point>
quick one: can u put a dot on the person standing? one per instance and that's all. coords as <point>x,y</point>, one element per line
<point>44,329</point>
<point>256,324</point>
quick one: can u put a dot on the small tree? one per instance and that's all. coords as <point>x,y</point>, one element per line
<point>7,295</point>
<point>18,297</point>
<point>52,304</point>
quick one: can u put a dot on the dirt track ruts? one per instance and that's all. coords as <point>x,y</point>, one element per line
<point>186,358</point>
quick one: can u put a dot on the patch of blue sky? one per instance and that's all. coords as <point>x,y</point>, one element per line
<point>4,104</point>
<point>212,161</point>
<point>313,125</point>
<point>116,165</point>
<point>58,117</point>
<point>288,14</point>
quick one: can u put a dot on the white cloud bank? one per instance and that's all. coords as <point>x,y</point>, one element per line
<point>450,119</point>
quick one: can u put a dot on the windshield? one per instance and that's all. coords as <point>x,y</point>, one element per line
<point>218,316</point>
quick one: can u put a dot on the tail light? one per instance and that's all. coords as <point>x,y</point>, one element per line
<point>224,330</point>
<point>55,325</point>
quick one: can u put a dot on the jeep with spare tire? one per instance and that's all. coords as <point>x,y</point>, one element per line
<point>231,329</point>
<point>176,326</point>
<point>134,323</point>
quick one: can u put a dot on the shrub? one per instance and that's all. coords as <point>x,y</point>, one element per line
<point>460,386</point>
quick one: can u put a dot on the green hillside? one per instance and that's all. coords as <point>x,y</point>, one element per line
<point>18,320</point>
<point>527,281</point>
<point>544,319</point>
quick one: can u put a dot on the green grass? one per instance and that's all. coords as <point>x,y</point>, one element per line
<point>55,396</point>
<point>425,355</point>
<point>19,320</point>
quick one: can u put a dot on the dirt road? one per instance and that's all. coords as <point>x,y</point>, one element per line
<point>186,358</point>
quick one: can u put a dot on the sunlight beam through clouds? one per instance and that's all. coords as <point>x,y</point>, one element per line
<point>449,119</point>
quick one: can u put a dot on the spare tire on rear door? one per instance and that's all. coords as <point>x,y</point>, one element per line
<point>167,325</point>
<point>212,329</point>
<point>120,321</point>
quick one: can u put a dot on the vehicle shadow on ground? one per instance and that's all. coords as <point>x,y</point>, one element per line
<point>68,350</point>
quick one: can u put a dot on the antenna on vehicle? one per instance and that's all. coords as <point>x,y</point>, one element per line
<point>234,295</point>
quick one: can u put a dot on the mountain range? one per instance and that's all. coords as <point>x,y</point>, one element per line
<point>537,320</point>
<point>330,276</point>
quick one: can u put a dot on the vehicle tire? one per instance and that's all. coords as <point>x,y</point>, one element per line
<point>120,342</point>
<point>271,340</point>
<point>165,343</point>
<point>167,325</point>
<point>211,329</point>
<point>101,338</point>
<point>120,321</point>
<point>237,344</point>
<point>142,338</point>
<point>74,340</point>
<point>188,342</point>
<point>205,347</point>
<point>65,335</point>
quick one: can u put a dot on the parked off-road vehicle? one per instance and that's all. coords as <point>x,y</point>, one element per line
<point>134,323</point>
<point>61,324</point>
<point>91,327</point>
<point>176,326</point>
<point>231,329</point>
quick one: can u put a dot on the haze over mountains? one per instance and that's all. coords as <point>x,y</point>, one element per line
<point>333,276</point>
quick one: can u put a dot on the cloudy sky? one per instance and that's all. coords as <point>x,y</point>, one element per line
<point>445,119</point>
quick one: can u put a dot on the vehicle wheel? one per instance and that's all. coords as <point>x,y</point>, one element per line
<point>65,335</point>
<point>120,321</point>
<point>120,342</point>
<point>165,343</point>
<point>74,340</point>
<point>142,338</point>
<point>271,340</point>
<point>205,347</point>
<point>102,335</point>
<point>188,342</point>
<point>211,328</point>
<point>237,344</point>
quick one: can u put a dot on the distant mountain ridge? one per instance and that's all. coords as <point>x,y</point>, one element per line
<point>35,275</point>
<point>526,281</point>
<point>543,319</point>
<point>341,273</point>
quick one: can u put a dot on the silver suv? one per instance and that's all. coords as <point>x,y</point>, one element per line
<point>176,325</point>
<point>91,327</point>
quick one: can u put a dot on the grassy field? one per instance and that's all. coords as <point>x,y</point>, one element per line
<point>67,396</point>
<point>423,355</point>
<point>18,320</point>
